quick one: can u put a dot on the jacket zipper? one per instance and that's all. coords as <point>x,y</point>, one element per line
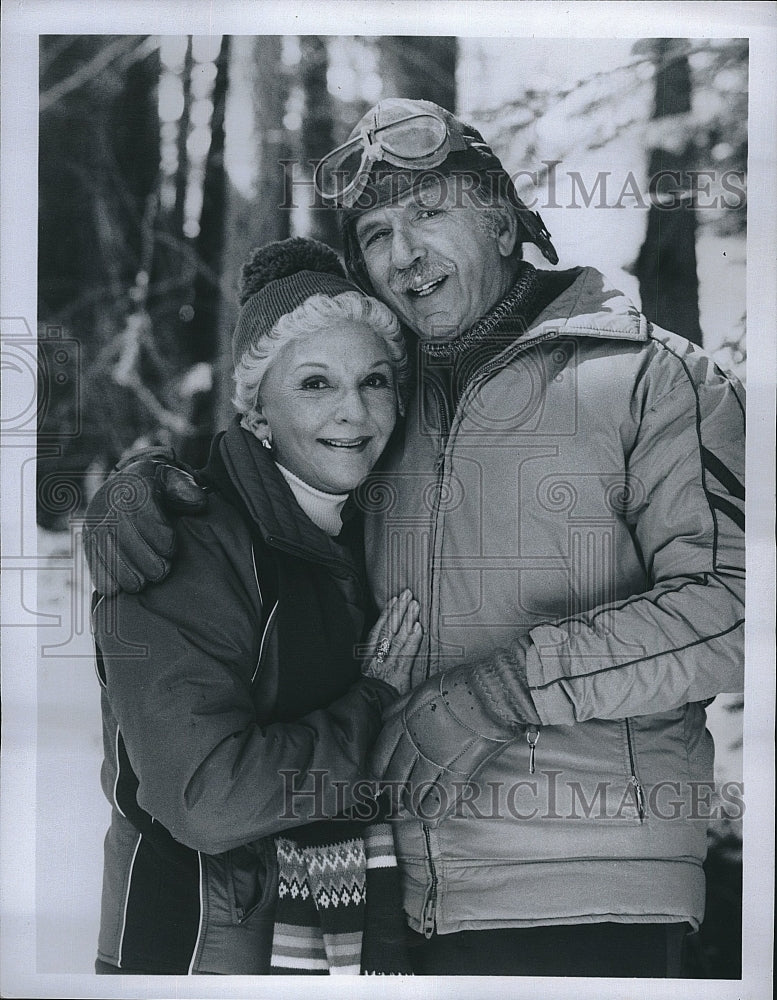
<point>533,735</point>
<point>446,422</point>
<point>430,906</point>
<point>444,419</point>
<point>639,793</point>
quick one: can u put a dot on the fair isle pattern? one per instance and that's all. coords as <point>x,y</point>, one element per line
<point>321,897</point>
<point>298,945</point>
<point>337,874</point>
<point>293,879</point>
<point>339,904</point>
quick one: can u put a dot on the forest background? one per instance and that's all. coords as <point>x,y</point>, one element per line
<point>164,159</point>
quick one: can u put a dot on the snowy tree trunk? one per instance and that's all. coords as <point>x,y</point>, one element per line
<point>666,265</point>
<point>203,344</point>
<point>317,128</point>
<point>182,171</point>
<point>263,218</point>
<point>419,67</point>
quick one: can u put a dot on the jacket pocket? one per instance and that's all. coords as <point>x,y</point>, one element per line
<point>252,873</point>
<point>632,772</point>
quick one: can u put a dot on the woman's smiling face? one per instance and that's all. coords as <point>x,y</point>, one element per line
<point>330,402</point>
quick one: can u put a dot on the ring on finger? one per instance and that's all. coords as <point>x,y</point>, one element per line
<point>383,649</point>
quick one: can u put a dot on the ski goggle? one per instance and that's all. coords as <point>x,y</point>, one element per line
<point>417,142</point>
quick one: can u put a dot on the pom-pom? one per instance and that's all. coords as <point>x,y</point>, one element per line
<point>283,258</point>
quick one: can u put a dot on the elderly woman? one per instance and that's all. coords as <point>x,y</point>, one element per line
<point>237,711</point>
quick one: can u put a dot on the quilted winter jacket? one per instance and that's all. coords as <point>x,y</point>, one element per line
<point>235,668</point>
<point>584,513</point>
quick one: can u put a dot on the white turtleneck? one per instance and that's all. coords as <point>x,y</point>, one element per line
<point>323,509</point>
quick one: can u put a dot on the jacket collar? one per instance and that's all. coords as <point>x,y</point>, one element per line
<point>591,307</point>
<point>271,504</point>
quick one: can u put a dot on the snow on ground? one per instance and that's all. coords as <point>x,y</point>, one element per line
<point>72,814</point>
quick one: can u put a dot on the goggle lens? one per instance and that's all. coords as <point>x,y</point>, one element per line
<point>335,174</point>
<point>413,138</point>
<point>404,142</point>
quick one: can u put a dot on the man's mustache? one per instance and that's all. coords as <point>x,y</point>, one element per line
<point>421,273</point>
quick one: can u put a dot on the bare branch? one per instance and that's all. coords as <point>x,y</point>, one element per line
<point>126,372</point>
<point>192,259</point>
<point>52,49</point>
<point>114,50</point>
<point>537,101</point>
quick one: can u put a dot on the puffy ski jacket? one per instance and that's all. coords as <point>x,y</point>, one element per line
<point>584,512</point>
<point>236,668</point>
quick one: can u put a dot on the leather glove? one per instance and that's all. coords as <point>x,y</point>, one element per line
<point>440,736</point>
<point>128,535</point>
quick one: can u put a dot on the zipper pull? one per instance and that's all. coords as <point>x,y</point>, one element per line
<point>639,796</point>
<point>532,735</point>
<point>427,926</point>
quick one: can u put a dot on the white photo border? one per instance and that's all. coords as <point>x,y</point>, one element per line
<point>22,23</point>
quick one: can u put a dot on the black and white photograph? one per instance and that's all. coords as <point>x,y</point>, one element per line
<point>380,592</point>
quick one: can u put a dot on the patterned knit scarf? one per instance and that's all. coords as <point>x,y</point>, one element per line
<point>339,908</point>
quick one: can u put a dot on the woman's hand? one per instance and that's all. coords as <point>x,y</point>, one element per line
<point>394,641</point>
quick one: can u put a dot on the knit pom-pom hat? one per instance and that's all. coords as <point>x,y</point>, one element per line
<point>279,277</point>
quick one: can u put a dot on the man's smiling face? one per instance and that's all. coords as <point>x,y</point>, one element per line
<point>440,262</point>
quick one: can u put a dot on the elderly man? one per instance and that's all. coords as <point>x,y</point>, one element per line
<point>565,500</point>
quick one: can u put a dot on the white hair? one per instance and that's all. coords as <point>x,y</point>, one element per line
<point>319,312</point>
